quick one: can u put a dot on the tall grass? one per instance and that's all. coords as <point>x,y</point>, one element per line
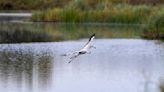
<point>121,13</point>
<point>77,12</point>
<point>155,27</point>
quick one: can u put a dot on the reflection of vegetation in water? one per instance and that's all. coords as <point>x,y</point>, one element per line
<point>162,86</point>
<point>22,33</point>
<point>44,68</point>
<point>20,63</point>
<point>57,32</point>
<point>102,31</point>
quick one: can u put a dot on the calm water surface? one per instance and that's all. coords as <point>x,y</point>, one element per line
<point>116,65</point>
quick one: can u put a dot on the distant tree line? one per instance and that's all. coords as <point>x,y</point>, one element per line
<point>31,4</point>
<point>44,4</point>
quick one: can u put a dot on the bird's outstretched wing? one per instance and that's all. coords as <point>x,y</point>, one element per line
<point>68,54</point>
<point>89,41</point>
<point>84,49</point>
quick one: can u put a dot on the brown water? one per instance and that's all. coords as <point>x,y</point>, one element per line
<point>116,65</point>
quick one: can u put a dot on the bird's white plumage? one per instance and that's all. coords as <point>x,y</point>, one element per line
<point>87,46</point>
<point>84,50</point>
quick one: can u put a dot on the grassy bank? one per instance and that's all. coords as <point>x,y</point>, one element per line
<point>121,13</point>
<point>147,12</point>
<point>151,16</point>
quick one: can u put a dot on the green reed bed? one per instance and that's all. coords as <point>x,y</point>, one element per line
<point>151,16</point>
<point>121,13</point>
<point>155,26</point>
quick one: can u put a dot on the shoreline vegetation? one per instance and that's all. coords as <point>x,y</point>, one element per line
<point>107,12</point>
<point>147,12</point>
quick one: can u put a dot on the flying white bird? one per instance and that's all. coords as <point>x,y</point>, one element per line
<point>84,50</point>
